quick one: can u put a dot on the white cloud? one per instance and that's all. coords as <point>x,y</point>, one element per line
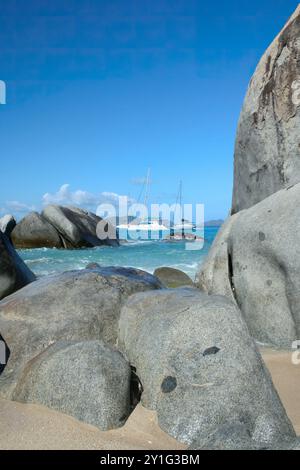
<point>64,196</point>
<point>16,206</point>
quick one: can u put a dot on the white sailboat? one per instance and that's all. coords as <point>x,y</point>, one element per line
<point>148,224</point>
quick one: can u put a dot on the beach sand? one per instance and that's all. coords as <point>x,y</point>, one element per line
<point>24,426</point>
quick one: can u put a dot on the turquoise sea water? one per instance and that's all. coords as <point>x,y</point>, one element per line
<point>147,255</point>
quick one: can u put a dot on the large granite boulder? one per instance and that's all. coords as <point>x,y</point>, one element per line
<point>7,224</point>
<point>88,380</point>
<point>14,273</point>
<point>255,260</point>
<point>171,277</point>
<point>76,226</point>
<point>4,354</point>
<point>236,436</point>
<point>74,306</point>
<point>267,151</point>
<point>215,275</point>
<point>198,365</point>
<point>34,231</point>
<point>265,256</point>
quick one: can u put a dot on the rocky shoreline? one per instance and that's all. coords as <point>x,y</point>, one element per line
<point>95,343</point>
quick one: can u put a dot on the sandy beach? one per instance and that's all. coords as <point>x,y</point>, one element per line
<point>36,427</point>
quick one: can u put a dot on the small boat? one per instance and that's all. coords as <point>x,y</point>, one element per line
<point>183,224</point>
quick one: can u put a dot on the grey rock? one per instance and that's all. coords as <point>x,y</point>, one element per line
<point>88,380</point>
<point>198,365</point>
<point>267,150</point>
<point>230,436</point>
<point>7,224</point>
<point>74,306</point>
<point>14,273</point>
<point>77,226</point>
<point>171,277</point>
<point>4,354</point>
<point>93,266</point>
<point>214,276</point>
<point>236,436</point>
<point>264,250</point>
<point>34,231</point>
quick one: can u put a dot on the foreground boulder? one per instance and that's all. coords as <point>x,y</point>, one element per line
<point>235,436</point>
<point>34,231</point>
<point>77,227</point>
<point>198,365</point>
<point>74,306</point>
<point>7,224</point>
<point>256,261</point>
<point>267,144</point>
<point>171,277</point>
<point>14,273</point>
<point>264,251</point>
<point>4,354</point>
<point>88,380</point>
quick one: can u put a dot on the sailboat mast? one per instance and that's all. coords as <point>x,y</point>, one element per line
<point>147,191</point>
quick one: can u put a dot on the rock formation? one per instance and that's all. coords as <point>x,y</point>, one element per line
<point>199,366</point>
<point>267,151</point>
<point>74,306</point>
<point>14,273</point>
<point>88,380</point>
<point>59,227</point>
<point>7,224</point>
<point>172,278</point>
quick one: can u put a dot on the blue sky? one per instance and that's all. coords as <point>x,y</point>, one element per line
<point>100,90</point>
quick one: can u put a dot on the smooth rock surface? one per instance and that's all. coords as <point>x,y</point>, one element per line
<point>214,276</point>
<point>172,277</point>
<point>14,273</point>
<point>267,150</point>
<point>7,224</point>
<point>77,226</point>
<point>265,255</point>
<point>198,365</point>
<point>76,305</point>
<point>34,231</point>
<point>88,380</point>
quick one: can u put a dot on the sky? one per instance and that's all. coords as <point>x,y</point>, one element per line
<point>98,91</point>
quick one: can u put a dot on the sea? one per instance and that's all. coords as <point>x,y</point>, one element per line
<point>143,254</point>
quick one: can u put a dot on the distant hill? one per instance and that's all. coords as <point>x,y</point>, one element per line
<point>213,223</point>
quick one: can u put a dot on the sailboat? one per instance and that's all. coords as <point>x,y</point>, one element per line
<point>148,224</point>
<point>183,224</point>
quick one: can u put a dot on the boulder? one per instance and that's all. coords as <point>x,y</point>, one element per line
<point>198,365</point>
<point>7,224</point>
<point>87,380</point>
<point>267,150</point>
<point>73,306</point>
<point>14,273</point>
<point>93,265</point>
<point>264,250</point>
<point>171,277</point>
<point>34,231</point>
<point>77,226</point>
<point>215,274</point>
<point>235,436</point>
<point>4,354</point>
